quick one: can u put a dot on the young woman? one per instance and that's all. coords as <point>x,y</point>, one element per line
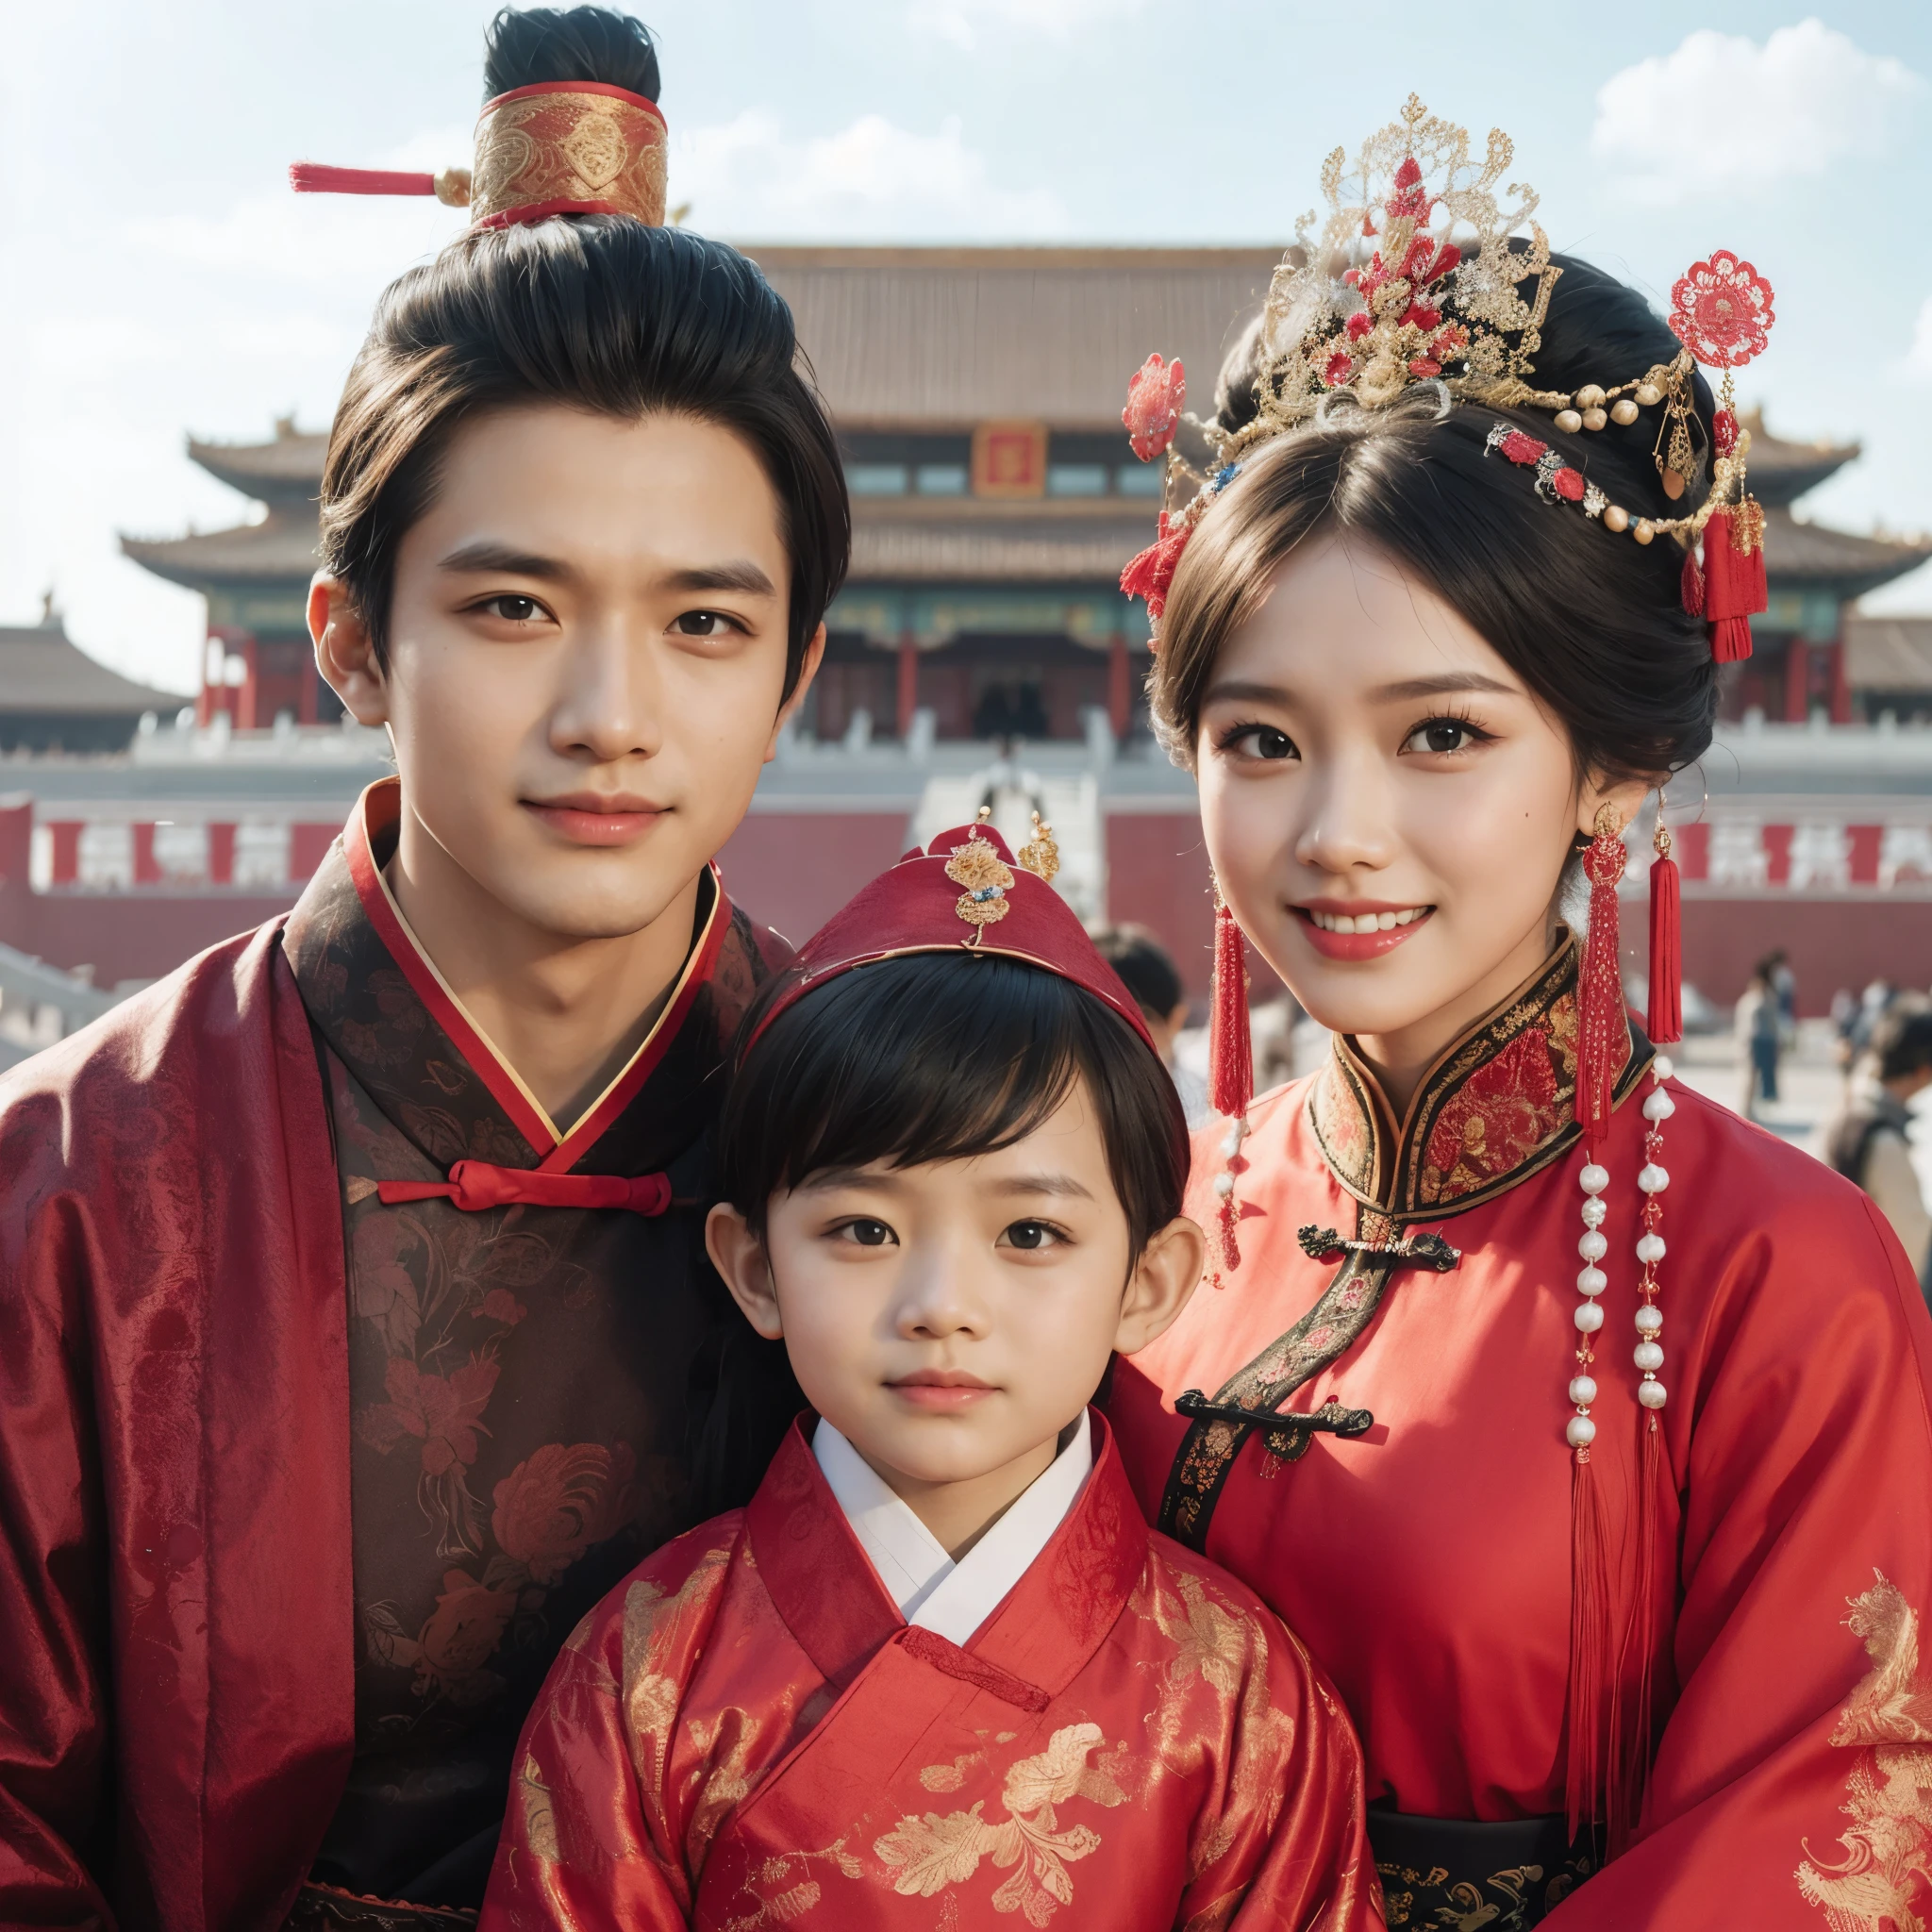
<point>939,1674</point>
<point>1630,1562</point>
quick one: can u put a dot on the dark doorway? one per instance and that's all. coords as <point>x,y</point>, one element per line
<point>1010,709</point>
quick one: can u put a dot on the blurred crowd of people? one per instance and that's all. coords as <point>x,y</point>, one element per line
<point>1885,1046</point>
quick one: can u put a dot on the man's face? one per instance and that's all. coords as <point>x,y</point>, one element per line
<point>587,651</point>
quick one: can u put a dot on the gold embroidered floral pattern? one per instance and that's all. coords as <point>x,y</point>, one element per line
<point>797,1891</point>
<point>562,145</point>
<point>1881,1883</point>
<point>932,1852</point>
<point>1503,1113</point>
<point>1495,1108</point>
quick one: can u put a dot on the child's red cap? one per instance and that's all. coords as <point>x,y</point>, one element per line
<point>966,892</point>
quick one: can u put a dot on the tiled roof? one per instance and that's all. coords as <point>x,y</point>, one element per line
<point>1796,552</point>
<point>278,549</point>
<point>42,671</point>
<point>1782,471</point>
<point>901,337</point>
<point>975,549</point>
<point>290,466</point>
<point>1889,653</point>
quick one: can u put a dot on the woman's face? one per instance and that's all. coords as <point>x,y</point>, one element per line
<point>1388,808</point>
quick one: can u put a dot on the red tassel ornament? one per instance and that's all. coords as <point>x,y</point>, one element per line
<point>1691,587</point>
<point>1587,1767</point>
<point>1664,1021</point>
<point>1734,586</point>
<point>1600,1035</point>
<point>314,178</point>
<point>1230,1052</point>
<point>1230,1064</point>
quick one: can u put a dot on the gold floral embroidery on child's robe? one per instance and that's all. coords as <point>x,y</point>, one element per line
<point>1877,1885</point>
<point>932,1852</point>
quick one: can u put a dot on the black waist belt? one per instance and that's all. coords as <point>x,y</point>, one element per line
<point>328,1908</point>
<point>1438,1871</point>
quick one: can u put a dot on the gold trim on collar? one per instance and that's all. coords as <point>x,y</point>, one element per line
<point>1496,1106</point>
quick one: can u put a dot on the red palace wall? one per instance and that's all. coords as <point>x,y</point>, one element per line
<point>791,871</point>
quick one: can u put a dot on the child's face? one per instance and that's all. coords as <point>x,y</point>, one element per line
<point>952,1319</point>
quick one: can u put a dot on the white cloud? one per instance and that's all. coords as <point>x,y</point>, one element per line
<point>1725,113</point>
<point>871,180</point>
<point>318,240</point>
<point>962,20</point>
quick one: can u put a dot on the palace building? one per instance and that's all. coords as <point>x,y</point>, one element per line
<point>980,652</point>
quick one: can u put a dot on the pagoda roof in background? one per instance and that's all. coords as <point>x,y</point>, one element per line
<point>1888,653</point>
<point>278,549</point>
<point>289,468</point>
<point>915,337</point>
<point>1796,552</point>
<point>43,671</point>
<point>1782,471</point>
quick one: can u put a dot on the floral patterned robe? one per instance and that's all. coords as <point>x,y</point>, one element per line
<point>1428,1564</point>
<point>747,1735</point>
<point>518,1377</point>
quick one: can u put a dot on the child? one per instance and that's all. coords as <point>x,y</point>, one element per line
<point>939,1672</point>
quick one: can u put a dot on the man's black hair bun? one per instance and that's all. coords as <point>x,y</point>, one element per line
<point>530,45</point>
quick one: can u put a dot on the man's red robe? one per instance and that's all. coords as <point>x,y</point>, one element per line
<point>176,1695</point>
<point>177,1626</point>
<point>746,1734</point>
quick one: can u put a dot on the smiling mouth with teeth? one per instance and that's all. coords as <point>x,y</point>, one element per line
<point>1366,921</point>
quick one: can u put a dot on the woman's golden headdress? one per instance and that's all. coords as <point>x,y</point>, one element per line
<point>1421,279</point>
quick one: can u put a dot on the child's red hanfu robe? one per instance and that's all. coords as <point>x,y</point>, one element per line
<point>748,1734</point>
<point>1428,1564</point>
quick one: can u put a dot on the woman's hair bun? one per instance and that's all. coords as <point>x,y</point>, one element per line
<point>527,47</point>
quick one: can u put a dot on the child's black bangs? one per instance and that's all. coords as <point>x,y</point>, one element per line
<point>941,1057</point>
<point>912,1060</point>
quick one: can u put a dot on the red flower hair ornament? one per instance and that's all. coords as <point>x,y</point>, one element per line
<point>1721,312</point>
<point>1156,392</point>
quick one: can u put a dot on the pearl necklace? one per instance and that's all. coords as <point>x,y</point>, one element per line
<point>1593,1245</point>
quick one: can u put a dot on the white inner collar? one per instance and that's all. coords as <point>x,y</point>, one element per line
<point>930,1590</point>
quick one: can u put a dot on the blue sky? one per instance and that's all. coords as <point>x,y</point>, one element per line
<point>161,279</point>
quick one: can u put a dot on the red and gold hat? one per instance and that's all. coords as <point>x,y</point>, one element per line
<point>570,147</point>
<point>965,893</point>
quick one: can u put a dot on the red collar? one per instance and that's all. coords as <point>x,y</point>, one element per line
<point>1038,1641</point>
<point>1497,1105</point>
<point>372,824</point>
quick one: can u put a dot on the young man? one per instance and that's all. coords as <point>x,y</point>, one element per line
<point>355,1331</point>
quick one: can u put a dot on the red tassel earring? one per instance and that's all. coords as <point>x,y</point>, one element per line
<point>1231,1065</point>
<point>1665,1019</point>
<point>1600,1029</point>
